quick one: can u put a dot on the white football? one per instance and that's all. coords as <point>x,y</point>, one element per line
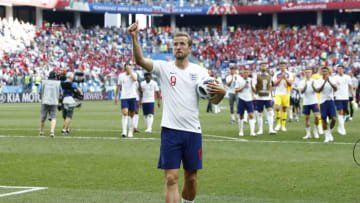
<point>201,88</point>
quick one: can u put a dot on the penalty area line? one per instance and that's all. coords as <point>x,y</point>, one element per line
<point>26,190</point>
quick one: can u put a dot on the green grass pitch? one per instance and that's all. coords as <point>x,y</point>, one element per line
<point>94,164</point>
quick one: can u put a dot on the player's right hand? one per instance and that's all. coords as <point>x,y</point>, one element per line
<point>133,29</point>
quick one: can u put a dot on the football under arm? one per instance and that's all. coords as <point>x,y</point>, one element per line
<point>217,89</point>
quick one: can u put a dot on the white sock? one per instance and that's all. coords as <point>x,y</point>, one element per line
<point>260,121</point>
<point>232,117</point>
<point>241,125</point>
<point>245,115</point>
<point>342,122</point>
<point>308,131</point>
<point>290,114</point>
<point>131,124</point>
<point>136,120</point>
<point>124,122</point>
<point>52,125</point>
<point>270,119</point>
<point>146,121</point>
<point>186,201</point>
<point>252,126</point>
<point>151,120</point>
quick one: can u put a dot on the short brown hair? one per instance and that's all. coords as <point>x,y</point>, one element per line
<point>184,34</point>
<point>308,68</point>
<point>325,68</point>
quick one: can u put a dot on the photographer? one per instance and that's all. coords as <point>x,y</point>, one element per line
<point>50,92</point>
<point>70,89</point>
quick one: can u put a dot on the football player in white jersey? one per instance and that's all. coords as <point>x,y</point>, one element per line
<point>217,106</point>
<point>127,82</point>
<point>326,87</point>
<point>310,103</point>
<point>352,100</point>
<point>344,85</point>
<point>230,83</point>
<point>245,102</point>
<point>181,131</point>
<point>137,105</point>
<point>147,97</point>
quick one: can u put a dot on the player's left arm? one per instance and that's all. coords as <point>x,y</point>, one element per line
<point>218,89</point>
<point>158,98</point>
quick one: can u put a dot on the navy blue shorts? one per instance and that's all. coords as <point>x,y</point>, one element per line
<point>341,105</point>
<point>327,109</point>
<point>261,103</point>
<point>137,105</point>
<point>177,146</point>
<point>312,107</point>
<point>148,108</point>
<point>244,105</point>
<point>129,104</point>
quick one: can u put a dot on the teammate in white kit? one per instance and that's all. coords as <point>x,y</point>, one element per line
<point>127,81</point>
<point>326,86</point>
<point>217,106</point>
<point>310,103</point>
<point>147,97</point>
<point>181,131</point>
<point>230,83</point>
<point>246,102</point>
<point>344,85</point>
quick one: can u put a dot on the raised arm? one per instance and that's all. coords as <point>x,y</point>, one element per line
<point>147,64</point>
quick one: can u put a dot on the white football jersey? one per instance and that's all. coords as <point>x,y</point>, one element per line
<point>282,88</point>
<point>148,91</point>
<point>128,86</point>
<point>327,93</point>
<point>234,78</point>
<point>342,84</point>
<point>309,97</point>
<point>180,99</point>
<point>246,93</point>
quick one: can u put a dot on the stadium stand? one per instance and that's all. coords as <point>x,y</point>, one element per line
<point>100,52</point>
<point>203,2</point>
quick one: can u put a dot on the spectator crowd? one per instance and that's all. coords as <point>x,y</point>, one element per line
<point>28,54</point>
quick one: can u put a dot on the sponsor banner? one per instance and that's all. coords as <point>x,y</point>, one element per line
<point>292,7</point>
<point>35,97</point>
<point>35,3</point>
<point>95,96</point>
<point>20,98</point>
<point>110,8</point>
<point>78,6</point>
<point>12,89</point>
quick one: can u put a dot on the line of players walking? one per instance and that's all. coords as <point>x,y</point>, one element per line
<point>134,93</point>
<point>322,92</point>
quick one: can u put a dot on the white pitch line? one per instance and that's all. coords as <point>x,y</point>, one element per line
<point>228,139</point>
<point>224,137</point>
<point>28,189</point>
